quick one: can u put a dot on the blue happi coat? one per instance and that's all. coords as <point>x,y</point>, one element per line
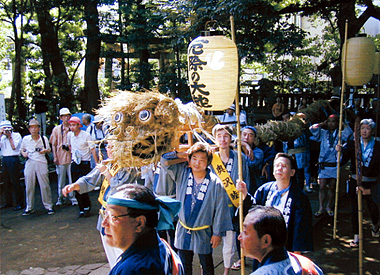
<point>211,211</point>
<point>328,154</point>
<point>148,255</point>
<point>297,215</point>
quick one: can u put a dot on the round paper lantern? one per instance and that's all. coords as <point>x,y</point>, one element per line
<point>360,60</point>
<point>213,71</point>
<point>376,66</point>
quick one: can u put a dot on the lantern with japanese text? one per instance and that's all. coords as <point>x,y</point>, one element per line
<point>360,60</point>
<point>213,71</point>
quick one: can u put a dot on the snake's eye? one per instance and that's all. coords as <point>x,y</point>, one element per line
<point>118,117</point>
<point>145,115</point>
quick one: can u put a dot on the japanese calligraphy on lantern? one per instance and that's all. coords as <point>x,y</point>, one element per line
<point>213,71</point>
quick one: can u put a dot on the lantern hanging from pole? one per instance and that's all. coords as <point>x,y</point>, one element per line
<point>360,60</point>
<point>376,66</point>
<point>213,71</point>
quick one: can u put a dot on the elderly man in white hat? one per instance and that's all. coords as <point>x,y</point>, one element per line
<point>97,134</point>
<point>62,154</point>
<point>229,117</point>
<point>34,147</point>
<point>10,143</point>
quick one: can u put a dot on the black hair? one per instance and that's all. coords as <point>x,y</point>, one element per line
<point>201,147</point>
<point>292,160</point>
<point>141,194</point>
<point>269,220</point>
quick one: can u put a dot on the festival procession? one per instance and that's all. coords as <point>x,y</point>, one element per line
<point>215,175</point>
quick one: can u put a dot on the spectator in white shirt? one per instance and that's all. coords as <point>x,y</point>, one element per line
<point>10,143</point>
<point>81,146</point>
<point>34,147</point>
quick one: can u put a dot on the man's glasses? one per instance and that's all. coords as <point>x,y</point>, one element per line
<point>105,213</point>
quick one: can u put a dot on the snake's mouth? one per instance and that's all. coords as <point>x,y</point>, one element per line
<point>150,146</point>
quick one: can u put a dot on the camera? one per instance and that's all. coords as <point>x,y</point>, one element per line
<point>65,147</point>
<point>8,131</point>
<point>38,149</point>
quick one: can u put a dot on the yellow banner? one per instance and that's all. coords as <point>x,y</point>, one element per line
<point>228,183</point>
<point>105,184</point>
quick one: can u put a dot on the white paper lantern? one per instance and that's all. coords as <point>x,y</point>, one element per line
<point>213,71</point>
<point>360,60</point>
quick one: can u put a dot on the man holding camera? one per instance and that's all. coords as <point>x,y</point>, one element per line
<point>10,143</point>
<point>62,154</point>
<point>33,148</point>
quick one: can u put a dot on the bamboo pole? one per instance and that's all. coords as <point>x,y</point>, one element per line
<point>340,128</point>
<point>240,165</point>
<point>358,158</point>
<point>377,104</point>
<point>360,218</point>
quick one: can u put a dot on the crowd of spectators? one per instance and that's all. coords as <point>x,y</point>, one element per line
<point>72,150</point>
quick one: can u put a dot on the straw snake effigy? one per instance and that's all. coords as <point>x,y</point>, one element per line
<point>144,125</point>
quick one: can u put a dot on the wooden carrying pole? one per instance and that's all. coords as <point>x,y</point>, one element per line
<point>240,164</point>
<point>344,58</point>
<point>358,159</point>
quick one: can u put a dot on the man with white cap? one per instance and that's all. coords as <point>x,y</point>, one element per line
<point>229,117</point>
<point>10,143</point>
<point>34,147</point>
<point>96,132</point>
<point>82,147</point>
<point>62,154</point>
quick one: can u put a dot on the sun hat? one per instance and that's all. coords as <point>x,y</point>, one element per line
<point>34,122</point>
<point>232,107</point>
<point>98,119</point>
<point>64,111</point>
<point>5,123</point>
<point>75,119</point>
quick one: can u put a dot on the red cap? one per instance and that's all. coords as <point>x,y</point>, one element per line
<point>75,119</point>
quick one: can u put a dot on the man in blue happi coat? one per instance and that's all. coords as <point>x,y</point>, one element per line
<point>263,239</point>
<point>288,199</point>
<point>202,218</point>
<point>328,158</point>
<point>131,220</point>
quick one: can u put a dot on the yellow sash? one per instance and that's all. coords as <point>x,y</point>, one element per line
<point>105,184</point>
<point>193,228</point>
<point>228,183</point>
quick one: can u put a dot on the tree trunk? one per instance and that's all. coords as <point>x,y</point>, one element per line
<point>144,68</point>
<point>16,94</point>
<point>16,84</point>
<point>51,51</point>
<point>91,88</point>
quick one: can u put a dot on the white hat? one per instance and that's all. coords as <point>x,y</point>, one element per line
<point>97,119</point>
<point>232,107</point>
<point>64,111</point>
<point>34,122</point>
<point>5,123</point>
